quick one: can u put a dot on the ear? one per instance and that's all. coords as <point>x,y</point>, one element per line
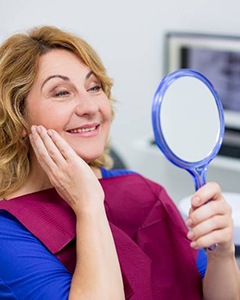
<point>24,133</point>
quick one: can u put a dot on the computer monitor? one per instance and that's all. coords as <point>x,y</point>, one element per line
<point>218,58</point>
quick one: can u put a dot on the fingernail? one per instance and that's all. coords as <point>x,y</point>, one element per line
<point>39,129</point>
<point>193,244</point>
<point>50,132</point>
<point>195,200</point>
<point>190,235</point>
<point>189,222</point>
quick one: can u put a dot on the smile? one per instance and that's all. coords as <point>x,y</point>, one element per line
<point>80,130</point>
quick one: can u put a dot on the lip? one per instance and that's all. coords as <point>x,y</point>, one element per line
<point>87,130</point>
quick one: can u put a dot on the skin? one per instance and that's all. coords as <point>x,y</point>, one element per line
<point>66,97</point>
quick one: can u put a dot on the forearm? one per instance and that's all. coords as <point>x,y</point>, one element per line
<point>222,278</point>
<point>97,274</point>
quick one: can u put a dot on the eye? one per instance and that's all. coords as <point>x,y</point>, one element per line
<point>95,88</point>
<point>62,93</point>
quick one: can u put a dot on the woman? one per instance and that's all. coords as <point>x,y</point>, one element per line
<point>70,228</point>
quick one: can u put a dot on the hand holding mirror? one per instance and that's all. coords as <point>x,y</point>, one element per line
<point>188,122</point>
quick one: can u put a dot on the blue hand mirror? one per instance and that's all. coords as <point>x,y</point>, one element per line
<point>188,121</point>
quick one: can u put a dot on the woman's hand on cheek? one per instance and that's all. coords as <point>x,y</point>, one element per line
<point>68,173</point>
<point>210,221</point>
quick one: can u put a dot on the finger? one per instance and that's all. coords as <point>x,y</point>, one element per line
<point>210,191</point>
<point>53,150</point>
<point>207,211</point>
<point>63,147</point>
<point>50,158</point>
<point>210,225</point>
<point>215,237</point>
<point>40,149</point>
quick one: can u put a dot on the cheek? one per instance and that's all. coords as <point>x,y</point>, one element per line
<point>46,116</point>
<point>108,111</point>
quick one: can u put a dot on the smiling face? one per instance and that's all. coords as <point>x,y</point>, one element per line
<point>67,97</point>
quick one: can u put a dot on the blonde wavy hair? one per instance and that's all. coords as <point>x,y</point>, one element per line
<point>19,58</point>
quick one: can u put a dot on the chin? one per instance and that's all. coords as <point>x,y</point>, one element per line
<point>89,152</point>
<point>88,157</point>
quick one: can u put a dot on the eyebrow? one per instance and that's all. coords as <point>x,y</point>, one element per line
<point>65,78</point>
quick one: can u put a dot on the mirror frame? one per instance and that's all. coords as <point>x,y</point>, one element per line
<point>197,166</point>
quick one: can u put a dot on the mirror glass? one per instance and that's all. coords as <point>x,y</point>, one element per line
<point>189,119</point>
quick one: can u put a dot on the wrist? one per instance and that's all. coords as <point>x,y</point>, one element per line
<point>221,252</point>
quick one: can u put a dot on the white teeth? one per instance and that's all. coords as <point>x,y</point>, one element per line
<point>83,130</point>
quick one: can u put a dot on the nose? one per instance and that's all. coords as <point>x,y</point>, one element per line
<point>86,104</point>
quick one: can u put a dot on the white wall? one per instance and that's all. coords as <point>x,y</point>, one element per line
<point>128,35</point>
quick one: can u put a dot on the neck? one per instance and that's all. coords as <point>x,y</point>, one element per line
<point>38,181</point>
